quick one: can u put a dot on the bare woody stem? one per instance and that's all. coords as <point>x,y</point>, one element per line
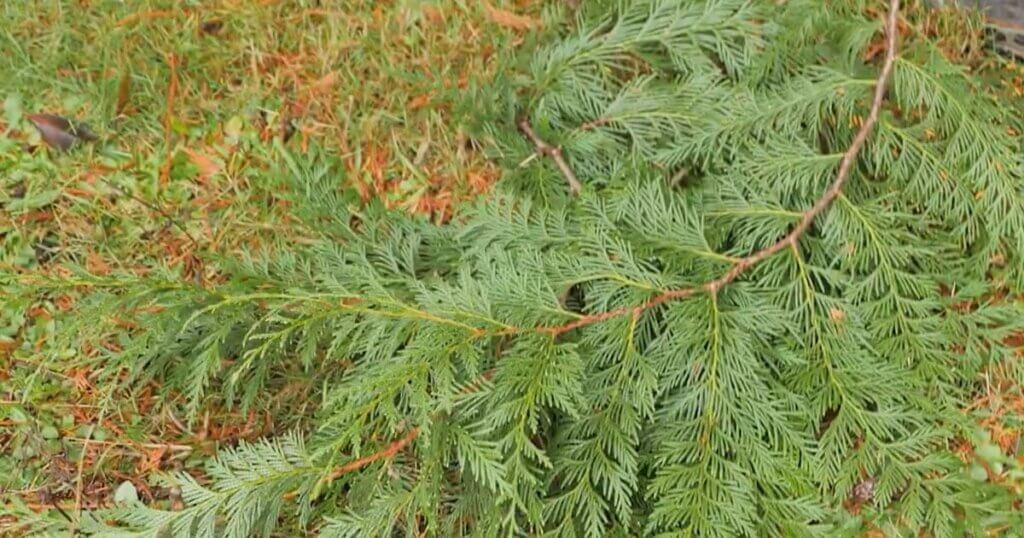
<point>387,452</point>
<point>712,286</point>
<point>555,153</point>
<point>156,209</point>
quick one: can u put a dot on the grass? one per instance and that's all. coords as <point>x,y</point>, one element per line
<point>194,104</point>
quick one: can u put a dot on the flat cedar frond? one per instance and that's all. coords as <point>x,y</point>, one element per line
<point>739,280</point>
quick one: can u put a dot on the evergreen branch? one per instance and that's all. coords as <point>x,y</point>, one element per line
<point>711,287</point>
<point>790,240</point>
<point>555,153</point>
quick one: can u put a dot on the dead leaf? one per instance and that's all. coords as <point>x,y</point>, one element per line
<point>419,101</point>
<point>323,84</point>
<point>59,132</point>
<point>480,181</point>
<point>96,265</point>
<point>64,302</point>
<point>39,215</point>
<point>153,457</point>
<point>80,379</point>
<point>434,15</point>
<point>873,50</point>
<point>38,312</point>
<point>149,15</point>
<point>207,166</point>
<point>508,19</point>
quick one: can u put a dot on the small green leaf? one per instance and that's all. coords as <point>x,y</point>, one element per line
<point>13,109</point>
<point>233,128</point>
<point>179,127</point>
<point>989,452</point>
<point>24,452</point>
<point>33,201</point>
<point>17,415</point>
<point>126,493</point>
<point>978,473</point>
<point>49,432</point>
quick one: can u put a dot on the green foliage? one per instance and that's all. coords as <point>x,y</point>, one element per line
<point>250,485</point>
<point>830,375</point>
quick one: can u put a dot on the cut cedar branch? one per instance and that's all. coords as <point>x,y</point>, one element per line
<point>711,287</point>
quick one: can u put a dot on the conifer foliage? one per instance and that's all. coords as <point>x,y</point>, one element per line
<point>737,281</point>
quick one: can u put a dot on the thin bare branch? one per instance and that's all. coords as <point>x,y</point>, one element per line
<point>555,153</point>
<point>387,452</point>
<point>154,208</point>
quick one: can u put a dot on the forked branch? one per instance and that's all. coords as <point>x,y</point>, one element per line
<point>790,239</point>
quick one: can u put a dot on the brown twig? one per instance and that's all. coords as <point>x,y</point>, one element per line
<point>555,153</point>
<point>172,94</point>
<point>475,385</point>
<point>149,15</point>
<point>171,447</point>
<point>385,453</point>
<point>591,125</point>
